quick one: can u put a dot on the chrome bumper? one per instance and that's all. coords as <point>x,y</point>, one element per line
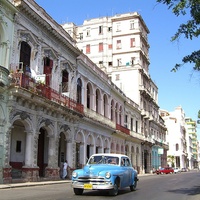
<point>94,186</point>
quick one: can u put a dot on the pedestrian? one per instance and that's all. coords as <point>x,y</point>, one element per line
<point>65,166</point>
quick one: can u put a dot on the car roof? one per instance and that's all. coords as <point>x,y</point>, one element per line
<point>109,154</point>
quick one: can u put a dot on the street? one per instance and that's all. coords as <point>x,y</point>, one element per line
<point>183,186</point>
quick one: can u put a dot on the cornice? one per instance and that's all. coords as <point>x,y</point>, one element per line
<point>38,15</point>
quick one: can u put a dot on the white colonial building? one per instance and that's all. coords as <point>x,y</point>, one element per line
<point>192,143</point>
<point>176,137</point>
<point>119,46</point>
<point>57,104</point>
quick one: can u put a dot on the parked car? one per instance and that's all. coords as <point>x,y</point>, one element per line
<point>177,170</point>
<point>165,170</point>
<point>109,172</point>
<point>184,169</point>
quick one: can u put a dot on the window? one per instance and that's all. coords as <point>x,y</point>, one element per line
<point>110,46</point>
<point>100,29</point>
<point>131,25</point>
<point>119,45</point>
<point>177,147</point>
<point>18,146</point>
<point>80,36</point>
<point>136,126</point>
<point>132,60</point>
<point>118,27</point>
<point>110,63</point>
<point>87,48</point>
<point>101,47</point>
<point>88,32</point>
<point>79,88</point>
<point>117,77</point>
<point>126,121</point>
<point>97,101</point>
<point>65,77</point>
<point>109,29</point>
<point>131,124</point>
<point>132,42</point>
<point>25,55</point>
<point>119,62</point>
<point>88,96</point>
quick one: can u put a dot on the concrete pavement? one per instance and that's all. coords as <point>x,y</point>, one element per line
<point>28,184</point>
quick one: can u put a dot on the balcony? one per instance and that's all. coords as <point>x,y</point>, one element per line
<point>98,117</point>
<point>122,129</point>
<point>23,81</point>
<point>137,135</point>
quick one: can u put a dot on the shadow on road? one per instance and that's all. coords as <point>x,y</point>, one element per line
<point>189,191</point>
<point>106,193</point>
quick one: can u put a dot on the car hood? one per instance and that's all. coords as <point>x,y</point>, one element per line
<point>96,170</point>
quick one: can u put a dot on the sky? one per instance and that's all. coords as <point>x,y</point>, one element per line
<point>181,88</point>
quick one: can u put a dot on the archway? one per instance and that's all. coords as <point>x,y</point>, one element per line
<point>17,149</point>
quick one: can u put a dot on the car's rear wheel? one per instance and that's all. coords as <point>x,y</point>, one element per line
<point>78,191</point>
<point>114,191</point>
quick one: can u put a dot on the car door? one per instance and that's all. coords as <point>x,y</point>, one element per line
<point>127,173</point>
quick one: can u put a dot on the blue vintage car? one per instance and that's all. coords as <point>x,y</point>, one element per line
<point>105,172</point>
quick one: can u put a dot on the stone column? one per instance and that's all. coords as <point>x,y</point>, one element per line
<point>30,171</point>
<point>7,171</point>
<point>69,151</point>
<point>1,149</point>
<point>82,155</point>
<point>69,157</point>
<point>29,150</point>
<point>52,170</point>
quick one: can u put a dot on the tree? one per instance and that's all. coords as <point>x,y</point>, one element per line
<point>190,29</point>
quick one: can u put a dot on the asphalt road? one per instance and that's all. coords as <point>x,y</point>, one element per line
<point>184,186</point>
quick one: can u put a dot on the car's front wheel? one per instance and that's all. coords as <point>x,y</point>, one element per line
<point>78,191</point>
<point>114,191</point>
<point>133,187</point>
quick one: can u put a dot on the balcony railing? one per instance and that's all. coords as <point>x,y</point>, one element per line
<point>122,129</point>
<point>24,81</point>
<point>98,117</point>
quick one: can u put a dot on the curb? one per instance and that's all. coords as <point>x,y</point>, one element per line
<point>30,184</point>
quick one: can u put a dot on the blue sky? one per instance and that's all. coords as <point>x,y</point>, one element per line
<point>175,89</point>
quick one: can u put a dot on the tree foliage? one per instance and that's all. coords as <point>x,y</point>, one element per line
<point>190,29</point>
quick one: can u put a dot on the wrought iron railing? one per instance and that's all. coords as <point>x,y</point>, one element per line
<point>24,81</point>
<point>122,129</point>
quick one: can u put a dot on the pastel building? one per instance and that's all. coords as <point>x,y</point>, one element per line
<point>119,46</point>
<point>56,103</point>
<point>192,146</point>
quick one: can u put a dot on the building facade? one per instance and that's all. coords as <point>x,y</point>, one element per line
<point>57,104</point>
<point>182,138</point>
<point>119,46</point>
<point>192,146</point>
<point>7,16</point>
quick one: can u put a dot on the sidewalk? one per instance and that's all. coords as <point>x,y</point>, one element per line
<point>28,184</point>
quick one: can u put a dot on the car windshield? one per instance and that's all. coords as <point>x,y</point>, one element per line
<point>100,159</point>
